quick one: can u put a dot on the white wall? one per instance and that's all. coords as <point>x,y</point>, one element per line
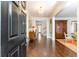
<point>78,30</point>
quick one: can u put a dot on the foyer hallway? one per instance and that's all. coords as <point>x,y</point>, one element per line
<point>42,48</point>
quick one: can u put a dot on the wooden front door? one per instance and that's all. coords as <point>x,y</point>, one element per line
<point>60,28</point>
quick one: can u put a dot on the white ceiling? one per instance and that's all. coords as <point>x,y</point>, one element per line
<point>69,11</point>
<point>46,10</point>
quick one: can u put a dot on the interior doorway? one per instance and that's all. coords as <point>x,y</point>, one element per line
<point>60,28</point>
<point>39,30</point>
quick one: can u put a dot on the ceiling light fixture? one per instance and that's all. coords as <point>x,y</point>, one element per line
<point>40,10</point>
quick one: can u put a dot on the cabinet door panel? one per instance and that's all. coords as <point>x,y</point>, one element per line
<point>14,20</point>
<point>22,20</point>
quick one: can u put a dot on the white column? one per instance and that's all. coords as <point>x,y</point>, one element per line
<point>53,28</point>
<point>78,30</point>
<point>53,34</point>
<point>27,27</point>
<point>48,36</point>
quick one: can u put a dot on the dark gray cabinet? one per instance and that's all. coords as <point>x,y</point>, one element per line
<point>4,28</point>
<point>10,28</point>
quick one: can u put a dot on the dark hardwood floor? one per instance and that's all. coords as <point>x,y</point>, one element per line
<point>42,48</point>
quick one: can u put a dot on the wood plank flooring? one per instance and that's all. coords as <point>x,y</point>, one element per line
<point>42,48</point>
